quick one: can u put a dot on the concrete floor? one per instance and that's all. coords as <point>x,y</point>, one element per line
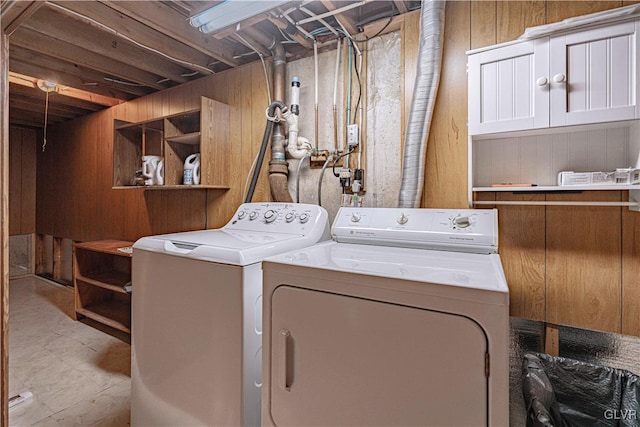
<point>79,376</point>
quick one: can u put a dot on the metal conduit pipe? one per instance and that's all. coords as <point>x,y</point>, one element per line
<point>424,97</point>
<point>278,166</point>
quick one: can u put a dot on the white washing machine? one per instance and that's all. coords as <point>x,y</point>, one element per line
<point>196,315</point>
<point>402,320</point>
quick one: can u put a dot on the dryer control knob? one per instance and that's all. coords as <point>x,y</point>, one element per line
<point>270,215</point>
<point>253,215</point>
<point>355,217</point>
<point>290,217</point>
<point>402,219</point>
<point>304,217</point>
<point>462,221</point>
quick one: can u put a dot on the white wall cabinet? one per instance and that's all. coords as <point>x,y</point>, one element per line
<point>566,101</point>
<point>594,75</point>
<point>582,77</point>
<point>503,94</point>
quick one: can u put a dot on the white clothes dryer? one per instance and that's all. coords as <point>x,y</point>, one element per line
<point>402,320</point>
<point>196,315</point>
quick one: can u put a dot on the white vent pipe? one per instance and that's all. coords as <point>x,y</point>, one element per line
<point>424,98</point>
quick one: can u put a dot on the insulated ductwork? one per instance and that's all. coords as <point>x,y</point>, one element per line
<point>278,166</point>
<point>424,98</point>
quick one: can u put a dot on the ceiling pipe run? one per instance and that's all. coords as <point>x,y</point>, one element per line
<point>278,166</point>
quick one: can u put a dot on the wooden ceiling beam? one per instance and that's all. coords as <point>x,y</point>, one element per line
<point>30,92</point>
<point>59,103</point>
<point>343,19</point>
<point>283,24</point>
<point>64,80</point>
<point>65,73</point>
<point>232,29</point>
<point>95,98</point>
<point>28,39</point>
<point>401,5</point>
<point>110,21</point>
<point>248,41</point>
<point>55,25</point>
<point>169,22</point>
<point>28,106</point>
<point>14,13</point>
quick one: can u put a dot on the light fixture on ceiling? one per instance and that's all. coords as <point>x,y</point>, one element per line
<point>46,85</point>
<point>230,12</point>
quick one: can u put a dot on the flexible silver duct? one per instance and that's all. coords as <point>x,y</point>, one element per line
<point>424,98</point>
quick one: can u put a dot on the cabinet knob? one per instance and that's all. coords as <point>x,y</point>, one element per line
<point>542,81</point>
<point>559,78</point>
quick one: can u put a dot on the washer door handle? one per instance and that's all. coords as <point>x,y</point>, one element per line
<point>283,338</point>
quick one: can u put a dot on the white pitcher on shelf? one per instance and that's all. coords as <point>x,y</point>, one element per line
<point>153,170</point>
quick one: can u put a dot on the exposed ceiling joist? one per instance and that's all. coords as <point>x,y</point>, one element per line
<point>172,24</point>
<point>95,98</point>
<point>113,50</point>
<point>14,13</point>
<point>74,54</point>
<point>126,28</point>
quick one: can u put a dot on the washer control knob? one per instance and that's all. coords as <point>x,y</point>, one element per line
<point>289,217</point>
<point>241,214</point>
<point>402,219</point>
<point>304,217</point>
<point>253,215</point>
<point>270,216</point>
<point>355,217</point>
<point>462,221</point>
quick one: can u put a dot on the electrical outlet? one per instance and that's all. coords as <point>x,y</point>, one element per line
<point>353,137</point>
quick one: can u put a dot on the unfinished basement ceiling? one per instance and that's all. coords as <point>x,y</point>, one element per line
<point>101,53</point>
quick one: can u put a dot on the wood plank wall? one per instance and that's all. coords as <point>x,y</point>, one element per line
<point>22,180</point>
<point>76,201</point>
<point>567,265</point>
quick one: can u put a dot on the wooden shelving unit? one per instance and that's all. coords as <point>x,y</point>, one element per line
<point>100,272</point>
<point>175,137</point>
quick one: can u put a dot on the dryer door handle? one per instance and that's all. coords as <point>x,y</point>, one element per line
<point>283,368</point>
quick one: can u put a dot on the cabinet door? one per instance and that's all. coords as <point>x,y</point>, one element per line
<point>508,88</point>
<point>594,77</point>
<point>340,360</point>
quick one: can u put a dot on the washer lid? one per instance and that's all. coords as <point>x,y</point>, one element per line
<point>236,247</point>
<point>468,270</point>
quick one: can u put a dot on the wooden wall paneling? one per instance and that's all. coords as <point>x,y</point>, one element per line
<point>559,10</point>
<point>446,167</point>
<point>516,16</point>
<point>483,23</point>
<point>15,181</point>
<point>630,272</point>
<point>522,250</point>
<point>28,177</point>
<point>409,46</point>
<point>584,263</point>
<point>88,185</point>
<point>4,228</point>
<point>230,90</point>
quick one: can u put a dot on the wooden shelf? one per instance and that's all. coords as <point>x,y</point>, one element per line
<point>172,187</point>
<point>561,188</point>
<point>101,269</point>
<point>112,280</point>
<point>109,315</point>
<point>190,138</point>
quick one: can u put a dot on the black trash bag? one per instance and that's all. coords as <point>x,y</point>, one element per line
<point>561,392</point>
